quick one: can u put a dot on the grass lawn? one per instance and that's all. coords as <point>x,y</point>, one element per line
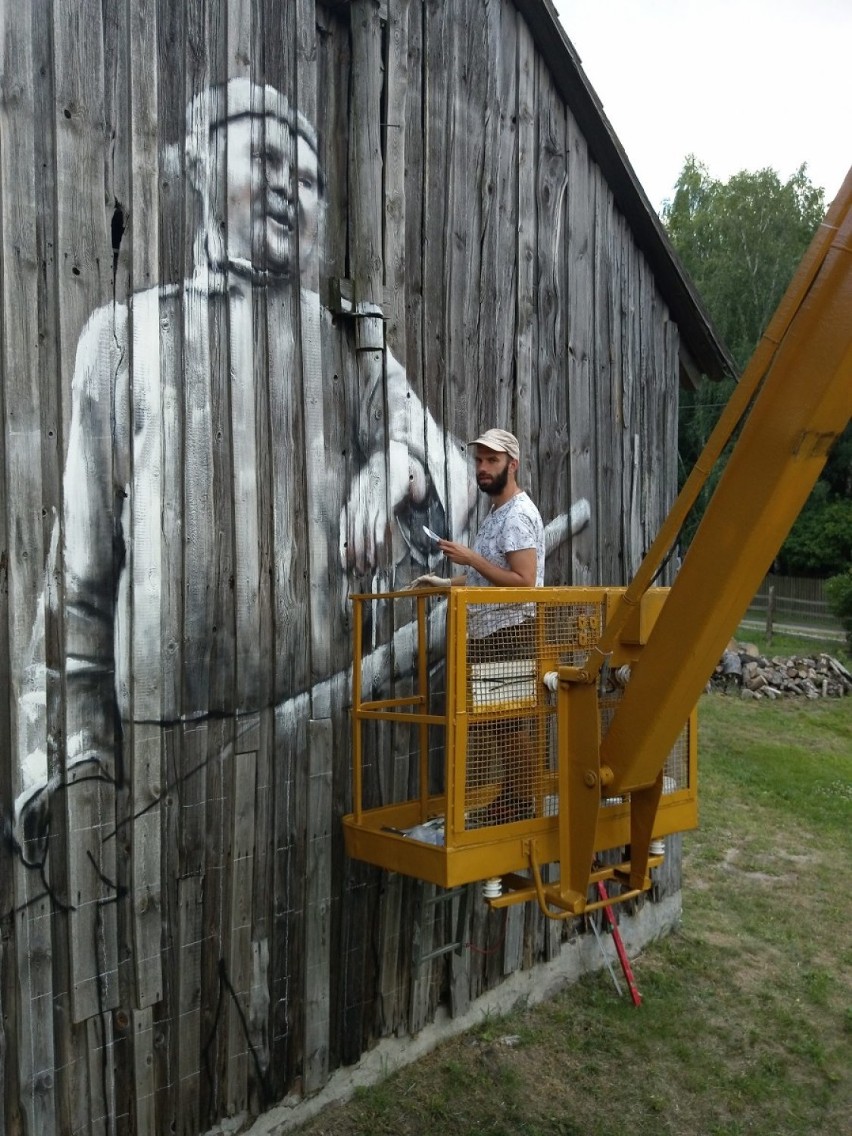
<point>746,1020</point>
<point>784,643</point>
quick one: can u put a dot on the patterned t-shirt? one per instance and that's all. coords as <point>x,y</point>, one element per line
<point>509,528</point>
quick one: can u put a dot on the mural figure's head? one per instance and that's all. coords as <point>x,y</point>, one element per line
<point>274,190</point>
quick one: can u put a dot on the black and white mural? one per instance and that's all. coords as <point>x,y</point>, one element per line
<point>145,367</point>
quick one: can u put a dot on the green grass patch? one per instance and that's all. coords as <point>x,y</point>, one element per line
<point>790,755</point>
<point>785,644</point>
<point>746,1019</point>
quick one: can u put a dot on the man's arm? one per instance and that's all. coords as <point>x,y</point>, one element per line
<point>521,572</point>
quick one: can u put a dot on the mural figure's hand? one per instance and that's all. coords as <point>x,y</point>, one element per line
<point>29,829</point>
<point>429,581</point>
<point>385,484</point>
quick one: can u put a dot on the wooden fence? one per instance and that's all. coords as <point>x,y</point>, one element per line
<point>796,600</point>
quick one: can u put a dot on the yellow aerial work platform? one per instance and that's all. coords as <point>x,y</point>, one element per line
<point>516,749</point>
<point>494,750</point>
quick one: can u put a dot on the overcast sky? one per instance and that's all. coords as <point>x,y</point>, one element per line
<point>742,84</point>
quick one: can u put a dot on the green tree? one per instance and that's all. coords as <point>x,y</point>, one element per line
<point>821,539</point>
<point>741,241</point>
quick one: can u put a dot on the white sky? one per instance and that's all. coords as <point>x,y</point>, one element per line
<point>742,84</point>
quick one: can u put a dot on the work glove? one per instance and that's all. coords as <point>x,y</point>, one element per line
<point>430,582</point>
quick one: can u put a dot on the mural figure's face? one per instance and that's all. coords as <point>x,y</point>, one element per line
<point>267,199</point>
<point>492,470</point>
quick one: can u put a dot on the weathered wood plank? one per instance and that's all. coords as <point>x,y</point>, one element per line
<point>292,674</point>
<point>208,601</point>
<point>436,144</point>
<point>667,878</point>
<point>670,439</point>
<point>320,520</point>
<point>513,943</point>
<point>527,346</point>
<point>291,512</point>
<point>646,372</point>
<point>173,70</point>
<point>242,312</point>
<point>7,1019</point>
<point>340,389</point>
<point>237,972</point>
<point>156,532</point>
<point>153,413</point>
<point>607,427</point>
<point>616,426</point>
<point>51,397</point>
<point>460,958</point>
<point>214,942</point>
<point>195,324</point>
<point>146,895</point>
<point>85,248</point>
<point>144,1100</point>
<point>553,287</point>
<point>118,119</point>
<point>392,981</point>
<point>423,930</point>
<point>581,213</point>
<point>503,377</point>
<point>223,41</point>
<point>187,1004</point>
<point>359,886</point>
<point>21,535</point>
<point>259,1025</point>
<point>631,402</point>
<point>318,906</point>
<point>99,1100</point>
<point>369,500</point>
<point>451,183</point>
<point>469,70</point>
<point>286,953</point>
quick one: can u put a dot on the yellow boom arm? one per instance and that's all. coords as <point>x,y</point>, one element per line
<point>799,386</point>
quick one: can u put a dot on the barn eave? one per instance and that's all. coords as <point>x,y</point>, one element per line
<point>702,349</point>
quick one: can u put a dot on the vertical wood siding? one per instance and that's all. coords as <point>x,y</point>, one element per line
<point>199,460</point>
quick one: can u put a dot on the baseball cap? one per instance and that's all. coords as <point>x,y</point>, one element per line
<point>500,440</point>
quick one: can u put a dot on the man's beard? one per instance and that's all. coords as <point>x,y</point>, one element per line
<point>262,269</point>
<point>497,484</point>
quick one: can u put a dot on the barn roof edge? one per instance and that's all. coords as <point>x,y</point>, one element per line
<point>705,345</point>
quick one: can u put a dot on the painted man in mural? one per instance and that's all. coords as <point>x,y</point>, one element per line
<point>145,501</point>
<point>160,530</point>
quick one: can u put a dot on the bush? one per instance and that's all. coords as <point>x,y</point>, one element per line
<point>820,542</point>
<point>839,592</point>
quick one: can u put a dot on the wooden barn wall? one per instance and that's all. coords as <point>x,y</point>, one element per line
<point>229,397</point>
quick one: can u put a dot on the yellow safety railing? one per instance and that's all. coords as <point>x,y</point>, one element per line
<point>466,745</point>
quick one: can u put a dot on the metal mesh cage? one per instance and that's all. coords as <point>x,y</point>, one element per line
<point>511,760</point>
<point>456,740</point>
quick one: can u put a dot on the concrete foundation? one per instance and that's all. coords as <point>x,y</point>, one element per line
<point>523,988</point>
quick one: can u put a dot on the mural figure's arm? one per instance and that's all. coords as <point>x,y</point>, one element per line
<point>416,458</point>
<point>84,564</point>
